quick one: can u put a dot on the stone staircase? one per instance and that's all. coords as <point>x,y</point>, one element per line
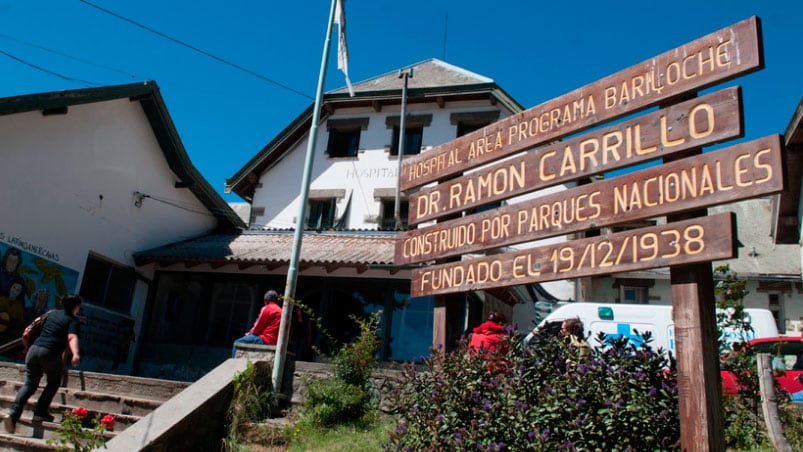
<point>126,398</point>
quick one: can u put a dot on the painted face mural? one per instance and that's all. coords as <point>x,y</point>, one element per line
<point>29,286</point>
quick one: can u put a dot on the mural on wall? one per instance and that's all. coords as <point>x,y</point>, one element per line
<point>29,286</point>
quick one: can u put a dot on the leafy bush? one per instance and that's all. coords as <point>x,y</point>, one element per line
<point>346,397</point>
<point>331,402</point>
<point>355,362</point>
<point>251,402</point>
<point>538,398</point>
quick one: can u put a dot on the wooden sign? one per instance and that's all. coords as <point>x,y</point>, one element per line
<point>698,240</point>
<point>699,122</point>
<point>720,56</point>
<point>742,171</point>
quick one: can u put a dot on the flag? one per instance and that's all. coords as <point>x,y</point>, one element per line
<point>342,50</point>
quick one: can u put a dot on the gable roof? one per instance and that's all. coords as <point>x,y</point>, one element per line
<point>148,95</point>
<point>431,74</point>
<point>433,81</point>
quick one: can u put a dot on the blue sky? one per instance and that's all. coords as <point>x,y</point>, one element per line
<point>534,50</point>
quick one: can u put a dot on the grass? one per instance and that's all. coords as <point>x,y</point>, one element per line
<point>343,438</point>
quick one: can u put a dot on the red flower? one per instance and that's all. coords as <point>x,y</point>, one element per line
<point>108,422</point>
<point>81,412</point>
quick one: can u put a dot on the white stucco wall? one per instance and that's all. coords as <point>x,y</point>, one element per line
<point>374,168</point>
<point>68,184</point>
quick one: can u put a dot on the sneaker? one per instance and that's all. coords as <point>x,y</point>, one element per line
<point>43,418</point>
<point>10,424</point>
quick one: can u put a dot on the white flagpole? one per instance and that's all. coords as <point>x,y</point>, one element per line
<point>292,270</point>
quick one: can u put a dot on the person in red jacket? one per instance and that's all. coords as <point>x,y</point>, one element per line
<point>266,328</point>
<point>488,336</point>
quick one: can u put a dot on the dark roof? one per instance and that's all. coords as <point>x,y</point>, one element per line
<point>433,81</point>
<point>786,229</point>
<point>148,95</point>
<point>273,248</point>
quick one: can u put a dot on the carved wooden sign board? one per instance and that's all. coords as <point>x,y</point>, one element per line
<point>461,175</point>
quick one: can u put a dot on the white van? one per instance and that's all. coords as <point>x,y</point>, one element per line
<point>617,320</point>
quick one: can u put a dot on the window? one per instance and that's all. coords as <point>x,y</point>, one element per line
<point>343,143</point>
<point>466,127</point>
<point>775,308</point>
<point>344,136</point>
<point>633,295</point>
<point>108,284</point>
<point>321,214</point>
<point>413,135</point>
<point>388,208</point>
<point>413,138</point>
<point>471,121</point>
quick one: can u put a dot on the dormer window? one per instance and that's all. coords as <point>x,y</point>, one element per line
<point>413,136</point>
<point>344,136</point>
<point>471,121</point>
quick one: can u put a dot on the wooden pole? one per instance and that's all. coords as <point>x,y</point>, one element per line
<point>699,381</point>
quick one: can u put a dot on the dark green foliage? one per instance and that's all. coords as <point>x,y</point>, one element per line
<point>331,402</point>
<point>538,398</point>
<point>355,361</point>
<point>250,402</point>
<point>346,397</point>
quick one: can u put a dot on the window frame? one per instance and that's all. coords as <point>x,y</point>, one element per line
<point>316,209</point>
<point>467,122</point>
<point>387,208</point>
<point>344,137</point>
<point>411,147</point>
<point>111,282</point>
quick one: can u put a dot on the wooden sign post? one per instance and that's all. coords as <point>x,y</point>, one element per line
<point>679,190</point>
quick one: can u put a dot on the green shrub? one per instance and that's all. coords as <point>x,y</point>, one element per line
<point>331,402</point>
<point>538,398</point>
<point>250,402</point>
<point>355,362</point>
<point>346,398</point>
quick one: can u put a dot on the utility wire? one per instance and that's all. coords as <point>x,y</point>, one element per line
<point>55,52</point>
<point>201,51</point>
<point>47,71</point>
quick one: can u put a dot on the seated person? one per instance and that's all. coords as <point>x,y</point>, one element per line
<point>266,328</point>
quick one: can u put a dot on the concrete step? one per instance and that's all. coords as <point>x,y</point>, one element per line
<point>122,385</point>
<point>126,398</point>
<point>9,443</point>
<point>98,401</point>
<point>122,421</point>
<point>38,434</point>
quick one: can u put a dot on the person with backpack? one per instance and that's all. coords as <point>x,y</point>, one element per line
<point>59,332</point>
